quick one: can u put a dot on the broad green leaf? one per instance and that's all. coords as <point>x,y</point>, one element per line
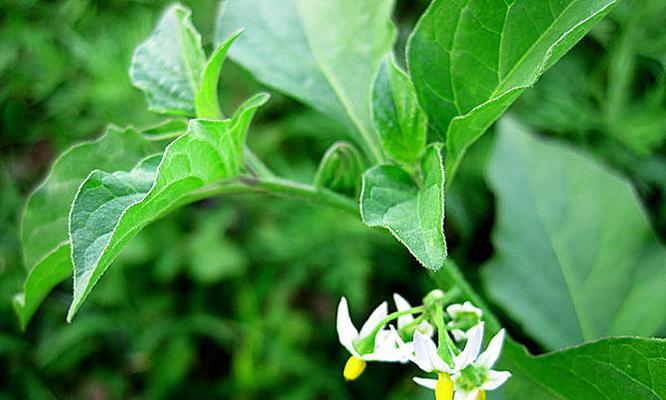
<point>206,102</point>
<point>111,208</point>
<point>169,65</point>
<point>44,234</point>
<point>576,258</point>
<point>610,369</point>
<point>340,169</point>
<point>398,118</point>
<point>470,59</point>
<point>413,212</point>
<point>324,53</point>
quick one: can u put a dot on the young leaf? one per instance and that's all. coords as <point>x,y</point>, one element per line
<point>611,369</point>
<point>413,213</point>
<point>206,102</point>
<point>324,53</point>
<point>398,118</point>
<point>111,208</point>
<point>44,226</point>
<point>470,59</point>
<point>576,258</point>
<point>340,169</point>
<point>169,65</point>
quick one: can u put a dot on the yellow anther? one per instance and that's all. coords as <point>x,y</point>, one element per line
<point>481,395</point>
<point>444,387</point>
<point>354,368</point>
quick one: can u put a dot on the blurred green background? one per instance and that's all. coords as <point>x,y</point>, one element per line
<point>235,297</point>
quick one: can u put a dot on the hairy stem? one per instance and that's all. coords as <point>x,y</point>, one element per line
<point>278,187</point>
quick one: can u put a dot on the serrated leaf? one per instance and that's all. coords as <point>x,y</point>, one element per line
<point>169,65</point>
<point>576,258</point>
<point>396,114</point>
<point>470,59</point>
<point>111,208</point>
<point>340,169</point>
<point>44,233</point>
<point>413,212</point>
<point>324,53</point>
<point>206,102</point>
<point>610,369</point>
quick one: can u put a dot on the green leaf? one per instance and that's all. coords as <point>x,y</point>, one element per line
<point>169,65</point>
<point>111,208</point>
<point>324,53</point>
<point>576,258</point>
<point>166,130</point>
<point>413,212</point>
<point>470,59</point>
<point>340,169</point>
<point>397,116</point>
<point>610,369</point>
<point>206,101</point>
<point>44,233</point>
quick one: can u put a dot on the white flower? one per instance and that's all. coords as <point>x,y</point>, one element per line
<point>454,310</point>
<point>429,360</point>
<point>462,315</point>
<point>385,346</point>
<point>457,379</point>
<point>402,305</point>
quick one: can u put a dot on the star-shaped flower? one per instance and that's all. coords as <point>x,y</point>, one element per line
<point>471,375</point>
<point>383,346</point>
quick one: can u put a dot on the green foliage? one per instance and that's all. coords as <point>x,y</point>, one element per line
<point>575,258</point>
<point>412,211</point>
<point>110,208</point>
<point>397,116</point>
<point>44,230</point>
<point>470,60</point>
<point>206,102</point>
<point>614,369</point>
<point>285,46</point>
<point>169,65</point>
<point>340,169</point>
<point>582,269</point>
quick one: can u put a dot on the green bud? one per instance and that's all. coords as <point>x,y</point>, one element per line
<point>434,297</point>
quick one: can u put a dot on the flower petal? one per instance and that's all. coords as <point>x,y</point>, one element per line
<point>425,382</point>
<point>472,347</point>
<point>401,304</point>
<point>454,309</point>
<point>490,356</point>
<point>468,307</point>
<point>346,330</point>
<point>375,318</point>
<point>496,379</point>
<point>406,349</point>
<point>386,349</point>
<point>425,328</point>
<point>422,345</point>
<point>460,395</point>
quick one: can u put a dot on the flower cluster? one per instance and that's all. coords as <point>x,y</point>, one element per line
<point>463,372</point>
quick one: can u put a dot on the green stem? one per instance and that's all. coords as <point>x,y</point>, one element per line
<point>256,166</point>
<point>394,315</point>
<point>278,187</point>
<point>445,346</point>
<point>414,323</point>
<point>291,189</point>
